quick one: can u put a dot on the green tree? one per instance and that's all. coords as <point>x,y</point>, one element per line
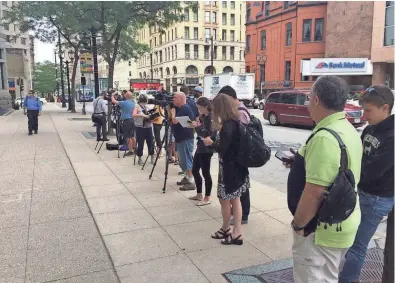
<point>44,77</point>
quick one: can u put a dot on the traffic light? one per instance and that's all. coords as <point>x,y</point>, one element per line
<point>83,81</point>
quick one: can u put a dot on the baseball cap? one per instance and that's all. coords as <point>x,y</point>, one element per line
<point>198,88</point>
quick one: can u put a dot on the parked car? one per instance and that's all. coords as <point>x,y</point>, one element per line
<point>262,104</point>
<point>291,107</point>
<point>253,103</point>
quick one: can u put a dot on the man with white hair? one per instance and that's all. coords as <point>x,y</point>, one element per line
<point>184,140</point>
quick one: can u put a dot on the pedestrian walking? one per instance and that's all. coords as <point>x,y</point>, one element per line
<point>203,154</point>
<point>233,178</point>
<point>318,246</point>
<point>244,118</point>
<point>143,129</point>
<point>34,108</point>
<point>376,188</point>
<point>100,117</point>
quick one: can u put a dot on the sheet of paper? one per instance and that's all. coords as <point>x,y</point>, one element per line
<point>183,120</point>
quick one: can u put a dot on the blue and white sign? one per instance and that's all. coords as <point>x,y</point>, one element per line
<point>332,66</point>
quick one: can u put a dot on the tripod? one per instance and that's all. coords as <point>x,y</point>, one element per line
<point>165,141</point>
<point>102,141</point>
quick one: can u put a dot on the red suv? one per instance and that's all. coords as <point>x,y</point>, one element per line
<point>290,107</point>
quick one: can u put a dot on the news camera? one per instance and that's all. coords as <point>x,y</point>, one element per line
<point>164,99</point>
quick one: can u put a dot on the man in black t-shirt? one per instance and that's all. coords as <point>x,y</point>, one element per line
<point>184,140</point>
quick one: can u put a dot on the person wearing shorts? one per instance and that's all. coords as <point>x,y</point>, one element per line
<point>127,107</point>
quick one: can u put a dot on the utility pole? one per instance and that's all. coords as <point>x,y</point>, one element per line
<point>212,55</point>
<point>95,65</point>
<point>61,72</point>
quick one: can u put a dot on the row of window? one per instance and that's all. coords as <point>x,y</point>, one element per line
<point>207,34</point>
<point>10,39</point>
<point>306,35</point>
<point>287,75</point>
<point>224,4</point>
<point>188,53</point>
<point>168,54</point>
<point>211,17</point>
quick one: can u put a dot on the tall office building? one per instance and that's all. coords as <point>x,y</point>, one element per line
<point>18,55</point>
<point>182,53</point>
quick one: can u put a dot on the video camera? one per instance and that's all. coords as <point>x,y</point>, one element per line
<point>118,96</point>
<point>164,99</point>
<point>153,114</point>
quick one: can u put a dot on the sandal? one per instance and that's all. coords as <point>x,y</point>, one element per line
<point>171,160</point>
<point>229,240</point>
<point>221,234</point>
<point>176,162</point>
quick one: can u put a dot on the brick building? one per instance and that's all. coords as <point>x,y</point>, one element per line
<point>289,44</point>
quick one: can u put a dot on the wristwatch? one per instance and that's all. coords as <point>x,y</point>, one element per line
<point>296,228</point>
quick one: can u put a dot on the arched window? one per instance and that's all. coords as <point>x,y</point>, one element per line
<point>141,75</point>
<point>167,71</point>
<point>174,70</point>
<point>191,70</point>
<point>228,69</point>
<point>144,75</point>
<point>208,70</point>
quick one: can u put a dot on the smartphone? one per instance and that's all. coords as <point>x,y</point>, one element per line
<point>284,156</point>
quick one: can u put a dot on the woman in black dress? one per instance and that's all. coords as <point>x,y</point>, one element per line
<point>232,178</point>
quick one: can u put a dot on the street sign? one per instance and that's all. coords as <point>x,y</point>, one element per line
<point>86,63</point>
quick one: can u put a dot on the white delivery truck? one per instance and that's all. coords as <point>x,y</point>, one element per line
<point>243,85</point>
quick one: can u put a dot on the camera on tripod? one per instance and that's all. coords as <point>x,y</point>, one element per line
<point>153,114</point>
<point>164,99</point>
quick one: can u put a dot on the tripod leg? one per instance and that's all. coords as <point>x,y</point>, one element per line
<point>164,141</point>
<point>100,146</point>
<point>145,162</point>
<point>97,144</point>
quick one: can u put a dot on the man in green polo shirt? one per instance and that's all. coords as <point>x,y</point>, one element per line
<point>318,247</point>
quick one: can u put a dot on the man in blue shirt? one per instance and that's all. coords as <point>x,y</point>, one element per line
<point>34,108</point>
<point>127,107</point>
<point>184,140</point>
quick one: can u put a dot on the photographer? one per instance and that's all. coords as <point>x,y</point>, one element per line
<point>100,114</point>
<point>143,128</point>
<point>127,106</point>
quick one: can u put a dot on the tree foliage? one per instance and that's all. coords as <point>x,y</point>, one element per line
<point>116,24</point>
<point>44,77</point>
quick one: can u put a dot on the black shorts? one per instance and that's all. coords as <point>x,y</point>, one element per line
<point>128,129</point>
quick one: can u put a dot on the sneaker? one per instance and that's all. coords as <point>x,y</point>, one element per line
<point>105,139</point>
<point>35,132</point>
<point>244,220</point>
<point>184,181</point>
<point>188,187</point>
<point>181,173</point>
<point>123,148</point>
<point>30,133</point>
<point>129,153</point>
<point>140,162</point>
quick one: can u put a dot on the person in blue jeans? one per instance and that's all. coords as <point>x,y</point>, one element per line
<point>184,138</point>
<point>376,187</point>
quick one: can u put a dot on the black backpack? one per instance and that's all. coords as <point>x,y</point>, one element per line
<point>253,151</point>
<point>341,198</point>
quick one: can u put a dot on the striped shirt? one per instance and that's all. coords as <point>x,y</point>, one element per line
<point>99,106</point>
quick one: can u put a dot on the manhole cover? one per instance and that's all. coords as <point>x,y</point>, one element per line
<point>371,271</point>
<point>79,119</point>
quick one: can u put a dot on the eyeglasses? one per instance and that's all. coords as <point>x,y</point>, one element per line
<point>372,91</point>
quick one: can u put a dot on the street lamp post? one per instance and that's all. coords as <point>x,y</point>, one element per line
<point>261,61</point>
<point>56,73</point>
<point>67,62</point>
<point>61,71</point>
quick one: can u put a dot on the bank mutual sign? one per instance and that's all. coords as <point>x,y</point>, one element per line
<point>339,65</point>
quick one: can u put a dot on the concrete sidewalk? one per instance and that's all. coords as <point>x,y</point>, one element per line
<point>69,214</point>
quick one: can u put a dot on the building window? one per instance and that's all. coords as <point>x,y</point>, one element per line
<point>232,5</point>
<point>224,19</point>
<point>206,52</point>
<point>241,55</point>
<point>224,34</point>
<point>175,33</point>
<point>267,8</point>
<point>160,57</point>
<point>187,54</point>
<point>5,14</point>
<point>224,4</point>
<point>263,40</point>
<point>195,16</point>
<point>232,19</point>
<point>248,15</point>
<point>286,5</point>
<point>186,32</point>
<point>247,69</point>
<point>288,41</point>
<point>175,51</point>
<point>304,78</point>
<point>8,38</point>
<point>318,30</point>
<point>248,44</point>
<point>262,71</point>
<point>214,17</point>
<point>306,30</point>
<point>232,53</point>
<point>389,23</point>
<point>207,17</point>
<point>6,26</point>
<point>186,15</point>
<point>196,51</point>
<point>232,35</point>
<point>195,33</point>
<point>223,52</point>
<point>215,52</point>
<point>130,73</point>
<point>214,33</point>
<point>4,3</point>
<point>130,63</point>
<point>172,34</point>
<point>288,70</point>
<point>207,33</point>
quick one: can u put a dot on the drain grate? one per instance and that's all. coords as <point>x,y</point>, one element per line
<point>79,119</point>
<point>371,271</point>
<point>89,135</point>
